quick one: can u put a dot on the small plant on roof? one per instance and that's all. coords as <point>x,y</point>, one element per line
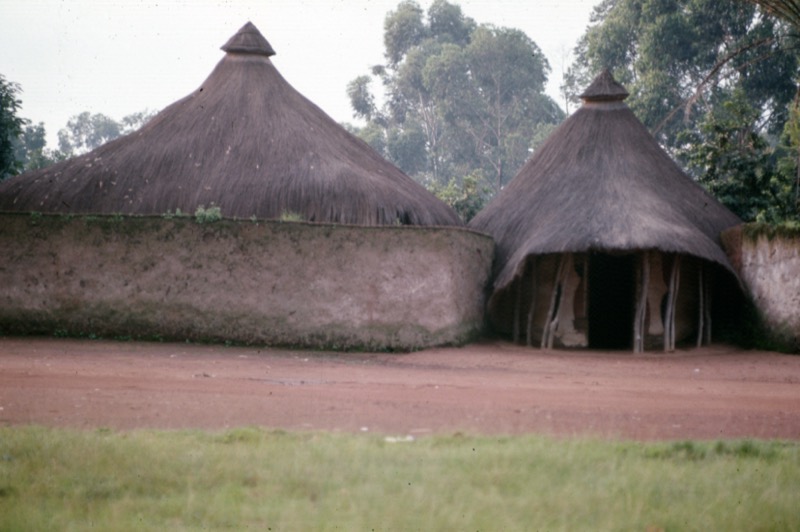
<point>290,216</point>
<point>208,215</point>
<point>170,215</point>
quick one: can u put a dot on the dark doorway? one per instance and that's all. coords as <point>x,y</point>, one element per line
<point>611,300</point>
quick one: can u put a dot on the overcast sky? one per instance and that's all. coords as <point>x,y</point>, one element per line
<point>121,56</point>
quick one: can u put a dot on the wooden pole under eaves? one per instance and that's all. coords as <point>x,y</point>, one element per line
<point>701,314</point>
<point>642,287</point>
<point>556,296</point>
<point>517,302</point>
<point>709,277</point>
<point>672,297</point>
<point>532,310</point>
<point>585,286</point>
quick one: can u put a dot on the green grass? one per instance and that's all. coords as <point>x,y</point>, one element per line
<point>256,479</point>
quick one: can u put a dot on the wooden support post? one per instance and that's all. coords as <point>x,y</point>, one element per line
<point>555,302</point>
<point>672,297</point>
<point>586,288</point>
<point>667,308</point>
<point>709,277</point>
<point>517,302</point>
<point>637,329</point>
<point>642,287</point>
<point>701,303</point>
<point>532,310</point>
<point>562,283</point>
<point>675,296</point>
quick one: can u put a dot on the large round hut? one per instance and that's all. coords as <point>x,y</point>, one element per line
<point>245,141</point>
<point>602,240</point>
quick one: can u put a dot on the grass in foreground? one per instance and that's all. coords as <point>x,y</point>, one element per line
<point>272,480</point>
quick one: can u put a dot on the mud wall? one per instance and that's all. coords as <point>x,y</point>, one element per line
<point>768,262</point>
<point>273,283</point>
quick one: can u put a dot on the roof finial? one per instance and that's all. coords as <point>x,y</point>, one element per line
<point>604,88</point>
<point>248,40</point>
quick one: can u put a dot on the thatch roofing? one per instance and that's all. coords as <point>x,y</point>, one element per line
<point>604,88</point>
<point>248,40</point>
<point>601,182</point>
<point>245,141</point>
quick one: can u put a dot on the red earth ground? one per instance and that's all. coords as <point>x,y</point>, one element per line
<point>483,388</point>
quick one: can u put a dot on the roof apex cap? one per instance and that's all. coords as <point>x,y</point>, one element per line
<point>604,88</point>
<point>248,40</point>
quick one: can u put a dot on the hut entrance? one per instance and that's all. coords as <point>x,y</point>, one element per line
<point>611,300</point>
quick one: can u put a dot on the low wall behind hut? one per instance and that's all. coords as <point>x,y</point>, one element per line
<point>768,262</point>
<point>273,283</point>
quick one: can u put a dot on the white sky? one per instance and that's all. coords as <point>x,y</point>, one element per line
<point>117,57</point>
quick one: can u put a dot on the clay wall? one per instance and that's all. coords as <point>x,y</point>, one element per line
<point>768,262</point>
<point>272,283</point>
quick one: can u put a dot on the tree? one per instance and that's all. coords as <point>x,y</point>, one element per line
<point>789,10</point>
<point>461,98</point>
<point>736,164</point>
<point>86,131</point>
<point>789,164</point>
<point>497,101</point>
<point>11,125</point>
<point>788,185</point>
<point>466,198</point>
<point>31,150</point>
<point>135,121</point>
<point>361,99</point>
<point>682,58</point>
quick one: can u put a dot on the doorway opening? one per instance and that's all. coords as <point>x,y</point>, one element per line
<point>611,300</point>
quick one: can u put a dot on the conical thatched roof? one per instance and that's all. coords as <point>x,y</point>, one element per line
<point>245,141</point>
<point>601,182</point>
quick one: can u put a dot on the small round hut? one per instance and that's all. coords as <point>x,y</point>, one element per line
<point>602,240</point>
<point>245,141</point>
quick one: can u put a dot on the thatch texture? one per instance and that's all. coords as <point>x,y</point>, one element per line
<point>245,141</point>
<point>601,183</point>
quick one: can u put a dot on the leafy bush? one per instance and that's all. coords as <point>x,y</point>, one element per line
<point>208,215</point>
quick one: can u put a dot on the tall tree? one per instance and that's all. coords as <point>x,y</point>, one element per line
<point>461,98</point>
<point>11,126</point>
<point>789,165</point>
<point>31,148</point>
<point>87,131</point>
<point>736,164</point>
<point>789,10</point>
<point>681,58</point>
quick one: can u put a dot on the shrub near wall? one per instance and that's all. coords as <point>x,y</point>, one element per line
<point>273,283</point>
<point>767,259</point>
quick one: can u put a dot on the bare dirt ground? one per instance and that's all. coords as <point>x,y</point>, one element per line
<point>485,388</point>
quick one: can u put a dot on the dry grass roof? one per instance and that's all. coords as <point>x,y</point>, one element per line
<point>601,182</point>
<point>245,141</point>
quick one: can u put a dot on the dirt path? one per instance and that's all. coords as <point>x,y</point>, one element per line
<point>489,388</point>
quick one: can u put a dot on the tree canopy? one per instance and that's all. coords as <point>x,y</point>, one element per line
<point>460,98</point>
<point>11,127</point>
<point>681,58</point>
<point>87,131</point>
